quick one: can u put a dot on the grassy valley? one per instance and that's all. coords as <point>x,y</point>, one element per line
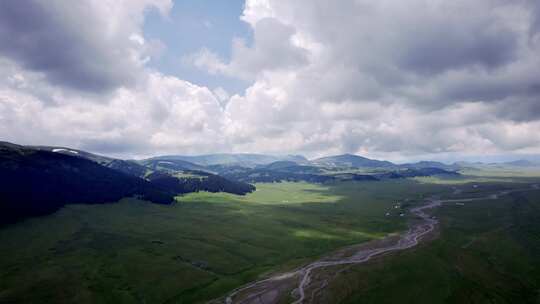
<point>486,252</point>
<point>229,224</point>
<point>194,250</point>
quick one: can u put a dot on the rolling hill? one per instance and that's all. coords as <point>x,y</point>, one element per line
<point>522,163</point>
<point>127,166</point>
<point>431,164</point>
<point>352,161</point>
<point>240,159</point>
<point>37,182</point>
<point>171,164</point>
<point>175,175</point>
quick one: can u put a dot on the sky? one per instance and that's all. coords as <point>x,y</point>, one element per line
<point>389,79</point>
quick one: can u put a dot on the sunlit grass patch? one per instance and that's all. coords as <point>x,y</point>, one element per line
<point>271,193</point>
<point>313,234</point>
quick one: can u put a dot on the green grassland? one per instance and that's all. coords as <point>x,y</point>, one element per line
<point>273,193</point>
<point>207,244</point>
<point>502,171</point>
<point>487,252</point>
<point>195,250</point>
<point>486,175</point>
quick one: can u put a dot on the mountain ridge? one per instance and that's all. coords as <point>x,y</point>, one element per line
<point>353,161</point>
<point>38,182</point>
<point>246,159</point>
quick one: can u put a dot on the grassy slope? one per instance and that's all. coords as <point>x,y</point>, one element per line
<point>195,250</point>
<point>488,252</point>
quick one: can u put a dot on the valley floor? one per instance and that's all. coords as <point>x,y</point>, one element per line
<point>309,284</point>
<point>488,251</point>
<point>206,245</point>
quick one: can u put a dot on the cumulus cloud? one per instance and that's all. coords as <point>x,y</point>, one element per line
<point>389,79</point>
<point>165,114</point>
<point>74,75</point>
<point>273,49</point>
<point>91,46</point>
<point>364,48</point>
<point>394,76</point>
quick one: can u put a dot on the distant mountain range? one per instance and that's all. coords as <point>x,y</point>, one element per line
<point>352,161</point>
<point>521,163</point>
<point>431,164</point>
<point>210,162</point>
<point>242,159</point>
<point>40,179</point>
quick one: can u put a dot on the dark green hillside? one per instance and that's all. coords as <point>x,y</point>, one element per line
<point>286,171</point>
<point>431,164</point>
<point>406,173</point>
<point>126,166</point>
<point>206,182</point>
<point>100,159</point>
<point>222,169</point>
<point>37,182</point>
<point>175,175</point>
<point>271,176</point>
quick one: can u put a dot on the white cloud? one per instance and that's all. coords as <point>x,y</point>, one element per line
<point>164,114</point>
<point>90,46</point>
<point>274,49</point>
<point>156,114</point>
<point>393,77</point>
<point>386,79</point>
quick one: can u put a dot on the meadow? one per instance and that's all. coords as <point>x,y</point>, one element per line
<point>195,250</point>
<point>486,252</point>
<point>207,244</point>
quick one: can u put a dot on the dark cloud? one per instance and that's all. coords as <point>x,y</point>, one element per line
<point>66,43</point>
<point>427,54</point>
<point>519,110</point>
<point>495,88</point>
<point>534,8</point>
<point>436,48</point>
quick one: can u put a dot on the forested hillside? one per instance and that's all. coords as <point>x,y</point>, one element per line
<point>36,182</point>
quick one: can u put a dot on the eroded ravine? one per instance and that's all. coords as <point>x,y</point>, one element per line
<point>269,290</point>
